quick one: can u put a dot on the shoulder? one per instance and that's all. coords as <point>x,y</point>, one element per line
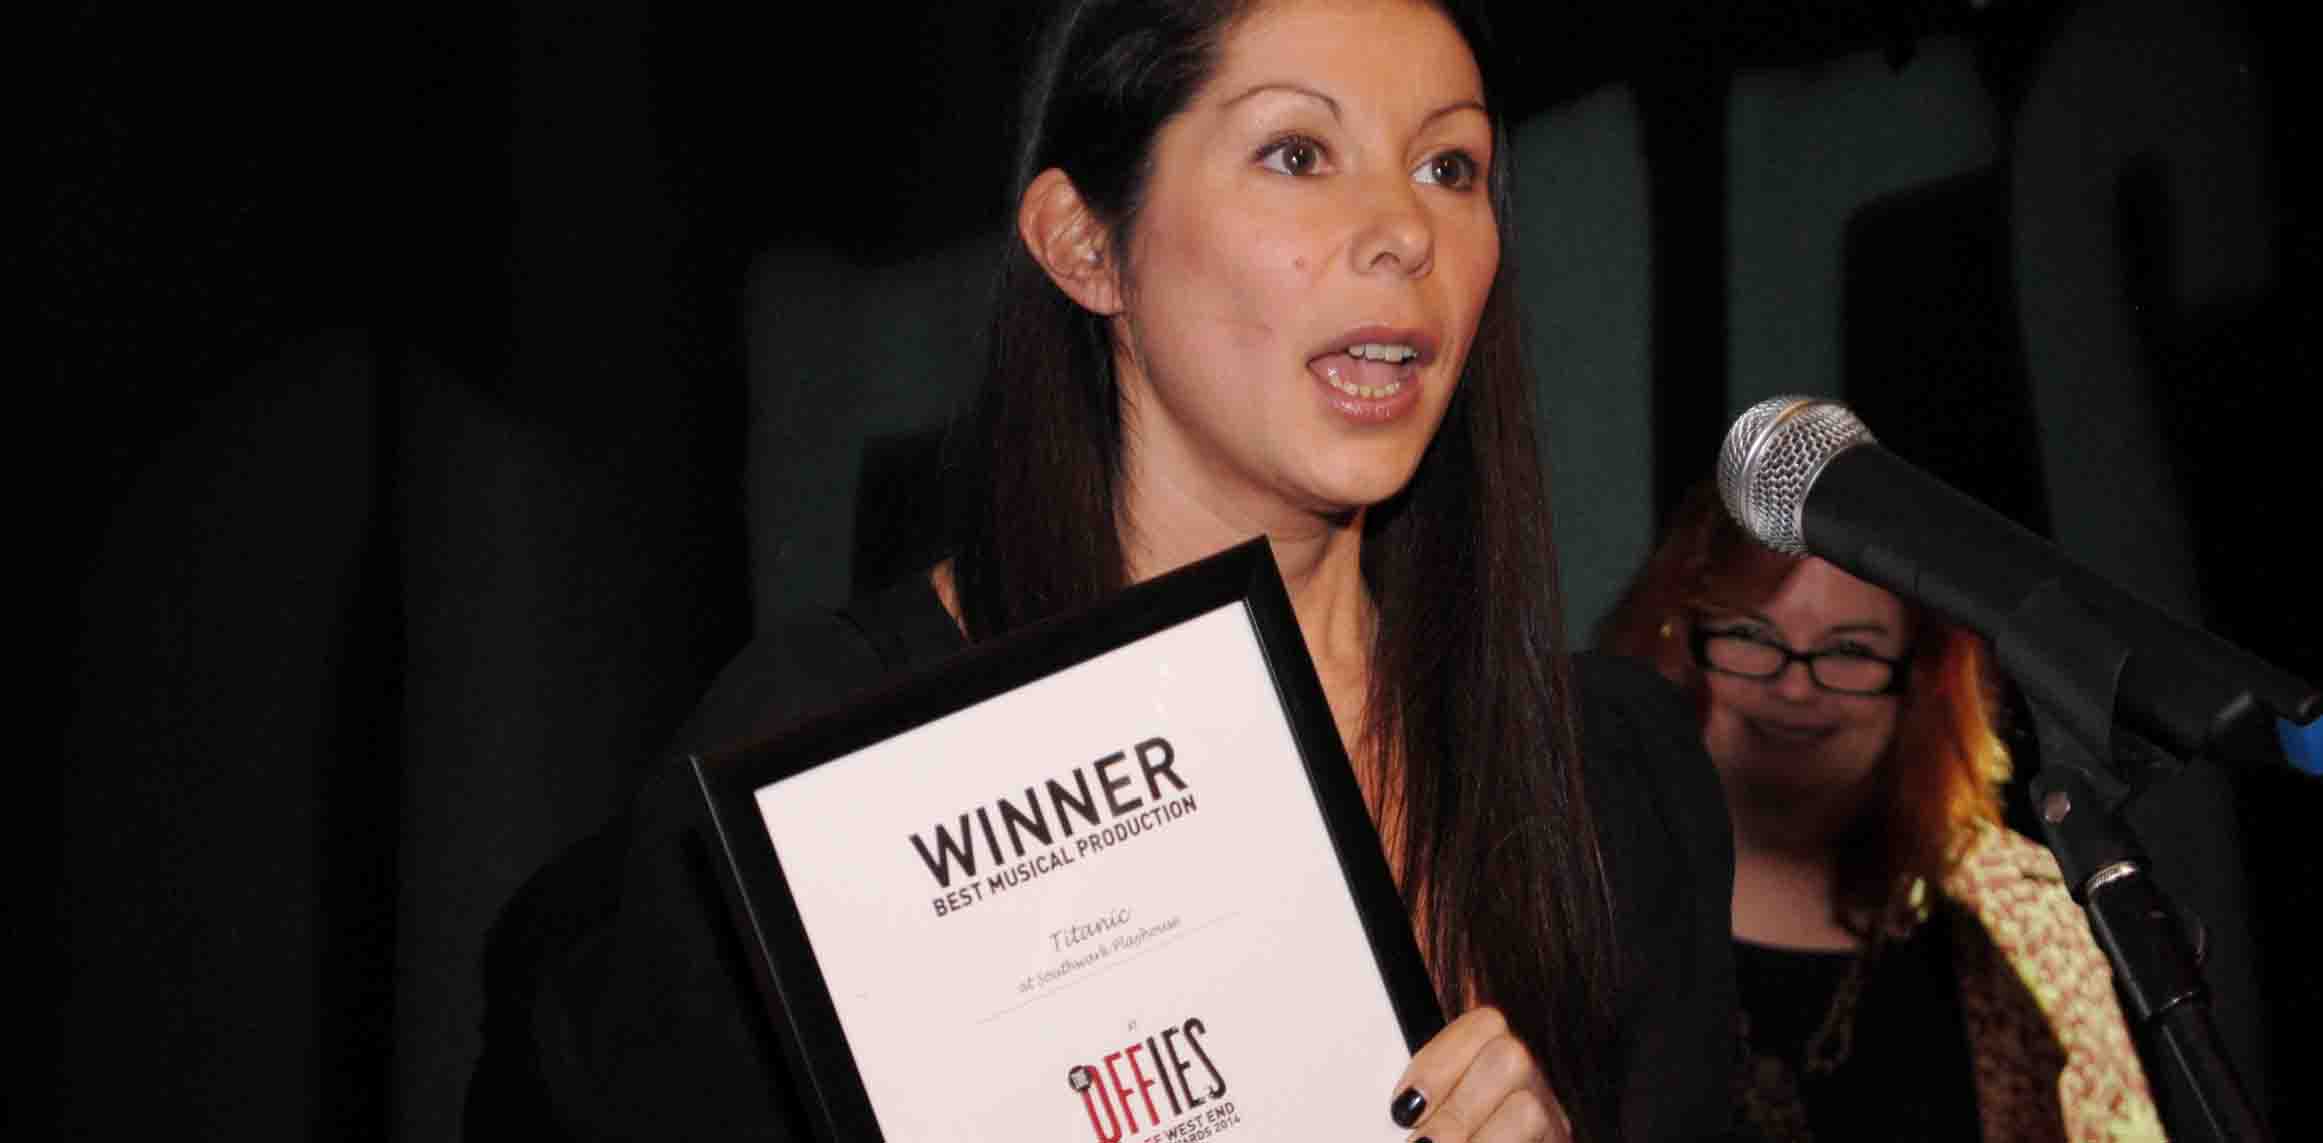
<point>2011,892</point>
<point>2032,979</point>
<point>615,978</point>
<point>2011,885</point>
<point>1668,852</point>
<point>1999,867</point>
<point>799,666</point>
<point>1643,749</point>
<point>814,661</point>
<point>1999,849</point>
<point>1626,691</point>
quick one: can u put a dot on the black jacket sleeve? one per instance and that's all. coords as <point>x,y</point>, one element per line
<point>1670,856</point>
<point>619,1000</point>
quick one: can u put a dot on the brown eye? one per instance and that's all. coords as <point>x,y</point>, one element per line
<point>1455,170</point>
<point>1293,156</point>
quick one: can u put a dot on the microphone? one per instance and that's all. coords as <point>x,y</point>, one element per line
<point>1803,476</point>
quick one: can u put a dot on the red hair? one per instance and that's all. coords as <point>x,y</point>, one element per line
<point>1939,783</point>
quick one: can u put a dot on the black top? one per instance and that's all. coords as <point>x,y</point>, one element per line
<point>1897,1068</point>
<point>619,1003</point>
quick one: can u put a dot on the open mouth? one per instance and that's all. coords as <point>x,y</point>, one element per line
<point>1372,374</point>
<point>1368,370</point>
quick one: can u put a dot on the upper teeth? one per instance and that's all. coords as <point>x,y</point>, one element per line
<point>1389,353</point>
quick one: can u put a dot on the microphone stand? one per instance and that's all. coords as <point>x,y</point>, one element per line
<point>2069,666</point>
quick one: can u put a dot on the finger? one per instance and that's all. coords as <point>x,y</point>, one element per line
<point>1500,1072</point>
<point>1523,1117</point>
<point>1436,1068</point>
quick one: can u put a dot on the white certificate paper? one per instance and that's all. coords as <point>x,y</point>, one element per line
<point>1103,906</point>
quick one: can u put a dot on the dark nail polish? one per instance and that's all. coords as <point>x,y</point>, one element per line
<point>1407,1107</point>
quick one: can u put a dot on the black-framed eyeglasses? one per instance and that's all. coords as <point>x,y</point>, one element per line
<point>1843,670</point>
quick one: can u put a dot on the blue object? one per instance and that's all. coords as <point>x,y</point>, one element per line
<point>2303,745</point>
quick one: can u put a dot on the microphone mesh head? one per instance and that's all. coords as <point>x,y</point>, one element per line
<point>1771,458</point>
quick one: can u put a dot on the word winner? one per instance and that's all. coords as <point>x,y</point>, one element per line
<point>1056,823</point>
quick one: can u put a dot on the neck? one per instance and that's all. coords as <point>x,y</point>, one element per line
<point>1786,875</point>
<point>1167,523</point>
<point>1321,561</point>
<point>1173,512</point>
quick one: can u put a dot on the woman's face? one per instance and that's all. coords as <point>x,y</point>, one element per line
<point>1786,742</point>
<point>1306,272</point>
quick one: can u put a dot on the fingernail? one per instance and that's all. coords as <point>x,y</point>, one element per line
<point>1407,1108</point>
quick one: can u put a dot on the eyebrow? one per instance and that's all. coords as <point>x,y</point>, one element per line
<point>1863,626</point>
<point>1476,105</point>
<point>1292,88</point>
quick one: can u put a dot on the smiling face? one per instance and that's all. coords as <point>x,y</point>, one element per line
<point>1308,264</point>
<point>1785,747</point>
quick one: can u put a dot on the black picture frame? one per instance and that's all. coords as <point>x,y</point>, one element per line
<point>808,1027</point>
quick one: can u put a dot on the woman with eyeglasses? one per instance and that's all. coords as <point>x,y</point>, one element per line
<point>1909,968</point>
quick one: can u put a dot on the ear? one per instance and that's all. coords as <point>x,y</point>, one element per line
<point>1069,242</point>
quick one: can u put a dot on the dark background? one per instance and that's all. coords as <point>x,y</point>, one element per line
<point>410,365</point>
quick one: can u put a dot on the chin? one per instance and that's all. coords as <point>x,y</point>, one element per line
<point>1344,492</point>
<point>1366,472</point>
<point>1776,795</point>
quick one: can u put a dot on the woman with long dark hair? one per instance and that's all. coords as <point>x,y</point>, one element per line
<point>1259,289</point>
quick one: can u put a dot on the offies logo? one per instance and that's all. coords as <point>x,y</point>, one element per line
<point>1118,1091</point>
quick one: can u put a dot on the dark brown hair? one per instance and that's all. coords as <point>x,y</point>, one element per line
<point>1470,699</point>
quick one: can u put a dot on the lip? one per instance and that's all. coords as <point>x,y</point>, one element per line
<point>1419,339</point>
<point>1790,732</point>
<point>1371,409</point>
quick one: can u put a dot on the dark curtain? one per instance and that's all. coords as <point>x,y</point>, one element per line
<point>409,389</point>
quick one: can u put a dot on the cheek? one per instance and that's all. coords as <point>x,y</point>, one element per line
<point>1484,247</point>
<point>1469,254</point>
<point>1269,270</point>
<point>1873,734</point>
<point>1235,274</point>
<point>1721,724</point>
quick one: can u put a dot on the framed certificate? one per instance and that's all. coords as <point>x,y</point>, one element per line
<point>1108,878</point>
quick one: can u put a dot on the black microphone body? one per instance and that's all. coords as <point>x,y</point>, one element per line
<point>1804,477</point>
<point>1887,522</point>
<point>1870,512</point>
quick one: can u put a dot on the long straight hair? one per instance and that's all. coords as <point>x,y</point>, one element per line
<point>1470,701</point>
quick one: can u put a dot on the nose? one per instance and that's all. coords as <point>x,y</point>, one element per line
<point>1396,236</point>
<point>1796,683</point>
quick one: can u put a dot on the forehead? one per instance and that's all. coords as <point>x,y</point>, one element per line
<point>1818,593</point>
<point>1401,50</point>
